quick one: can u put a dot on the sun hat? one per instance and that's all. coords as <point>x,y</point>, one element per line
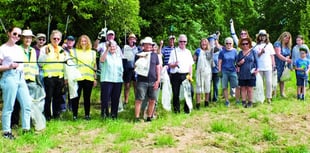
<point>27,33</point>
<point>41,35</point>
<point>147,40</point>
<point>110,32</point>
<point>262,32</point>
<point>131,35</point>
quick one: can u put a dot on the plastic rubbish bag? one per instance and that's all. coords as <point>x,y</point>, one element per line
<point>166,90</point>
<point>37,94</point>
<point>259,95</point>
<point>186,93</point>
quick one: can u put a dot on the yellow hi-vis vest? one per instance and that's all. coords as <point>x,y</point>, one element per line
<point>85,57</point>
<point>30,69</point>
<point>50,55</point>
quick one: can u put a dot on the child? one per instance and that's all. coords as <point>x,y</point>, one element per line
<point>302,67</point>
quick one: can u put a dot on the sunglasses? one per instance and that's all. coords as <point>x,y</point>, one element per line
<point>57,39</point>
<point>243,33</point>
<point>16,34</point>
<point>41,39</point>
<point>245,44</point>
<point>182,41</point>
<point>228,43</point>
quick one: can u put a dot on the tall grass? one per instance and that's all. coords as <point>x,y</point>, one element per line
<point>282,126</point>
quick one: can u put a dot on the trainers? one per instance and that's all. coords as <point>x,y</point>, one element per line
<point>269,101</point>
<point>8,135</point>
<point>87,117</point>
<point>148,119</point>
<point>283,95</point>
<point>249,104</point>
<point>74,118</point>
<point>137,120</point>
<point>227,103</point>
<point>244,104</point>
<point>197,106</point>
<point>206,104</point>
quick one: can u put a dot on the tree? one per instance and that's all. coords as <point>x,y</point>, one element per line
<point>85,17</point>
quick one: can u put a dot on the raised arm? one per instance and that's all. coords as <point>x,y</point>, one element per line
<point>233,32</point>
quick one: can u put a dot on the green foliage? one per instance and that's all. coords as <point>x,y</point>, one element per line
<point>159,18</point>
<point>164,140</point>
<point>269,134</point>
<point>85,17</point>
<point>222,126</point>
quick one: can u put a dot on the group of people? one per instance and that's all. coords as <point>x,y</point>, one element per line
<point>49,65</point>
<point>76,66</point>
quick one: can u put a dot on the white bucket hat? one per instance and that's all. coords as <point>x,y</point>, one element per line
<point>28,33</point>
<point>147,40</point>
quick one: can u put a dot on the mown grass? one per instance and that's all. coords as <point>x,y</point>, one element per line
<point>283,126</point>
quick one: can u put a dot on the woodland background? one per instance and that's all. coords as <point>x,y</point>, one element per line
<point>158,18</point>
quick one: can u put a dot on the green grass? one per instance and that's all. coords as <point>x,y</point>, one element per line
<point>280,127</point>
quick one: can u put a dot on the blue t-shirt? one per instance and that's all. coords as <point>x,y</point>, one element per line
<point>229,59</point>
<point>304,64</point>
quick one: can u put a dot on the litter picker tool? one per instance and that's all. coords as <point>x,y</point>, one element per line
<point>3,26</point>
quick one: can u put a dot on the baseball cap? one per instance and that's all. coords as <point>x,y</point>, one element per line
<point>110,32</point>
<point>171,37</point>
<point>71,38</point>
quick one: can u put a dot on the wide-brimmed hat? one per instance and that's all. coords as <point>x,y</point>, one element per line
<point>132,36</point>
<point>27,33</point>
<point>147,40</point>
<point>41,35</point>
<point>262,32</point>
<point>111,32</point>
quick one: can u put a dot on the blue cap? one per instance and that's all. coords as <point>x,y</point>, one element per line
<point>71,38</point>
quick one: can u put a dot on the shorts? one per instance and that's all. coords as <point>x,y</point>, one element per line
<point>203,82</point>
<point>247,83</point>
<point>145,90</point>
<point>129,75</point>
<point>230,77</point>
<point>300,81</point>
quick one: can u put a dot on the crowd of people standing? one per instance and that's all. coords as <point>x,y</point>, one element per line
<point>76,67</point>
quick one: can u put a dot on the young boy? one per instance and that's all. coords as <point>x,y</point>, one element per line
<point>302,67</point>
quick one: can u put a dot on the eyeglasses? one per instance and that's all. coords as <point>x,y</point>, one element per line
<point>302,53</point>
<point>243,33</point>
<point>16,34</point>
<point>41,39</point>
<point>245,44</point>
<point>228,43</point>
<point>182,41</point>
<point>56,39</point>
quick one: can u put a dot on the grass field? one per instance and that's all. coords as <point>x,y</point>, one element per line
<point>283,126</point>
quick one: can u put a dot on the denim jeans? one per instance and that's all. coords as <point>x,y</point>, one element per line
<point>14,86</point>
<point>215,84</point>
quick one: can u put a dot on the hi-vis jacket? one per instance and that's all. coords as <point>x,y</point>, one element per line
<point>30,69</point>
<point>50,54</point>
<point>85,60</point>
